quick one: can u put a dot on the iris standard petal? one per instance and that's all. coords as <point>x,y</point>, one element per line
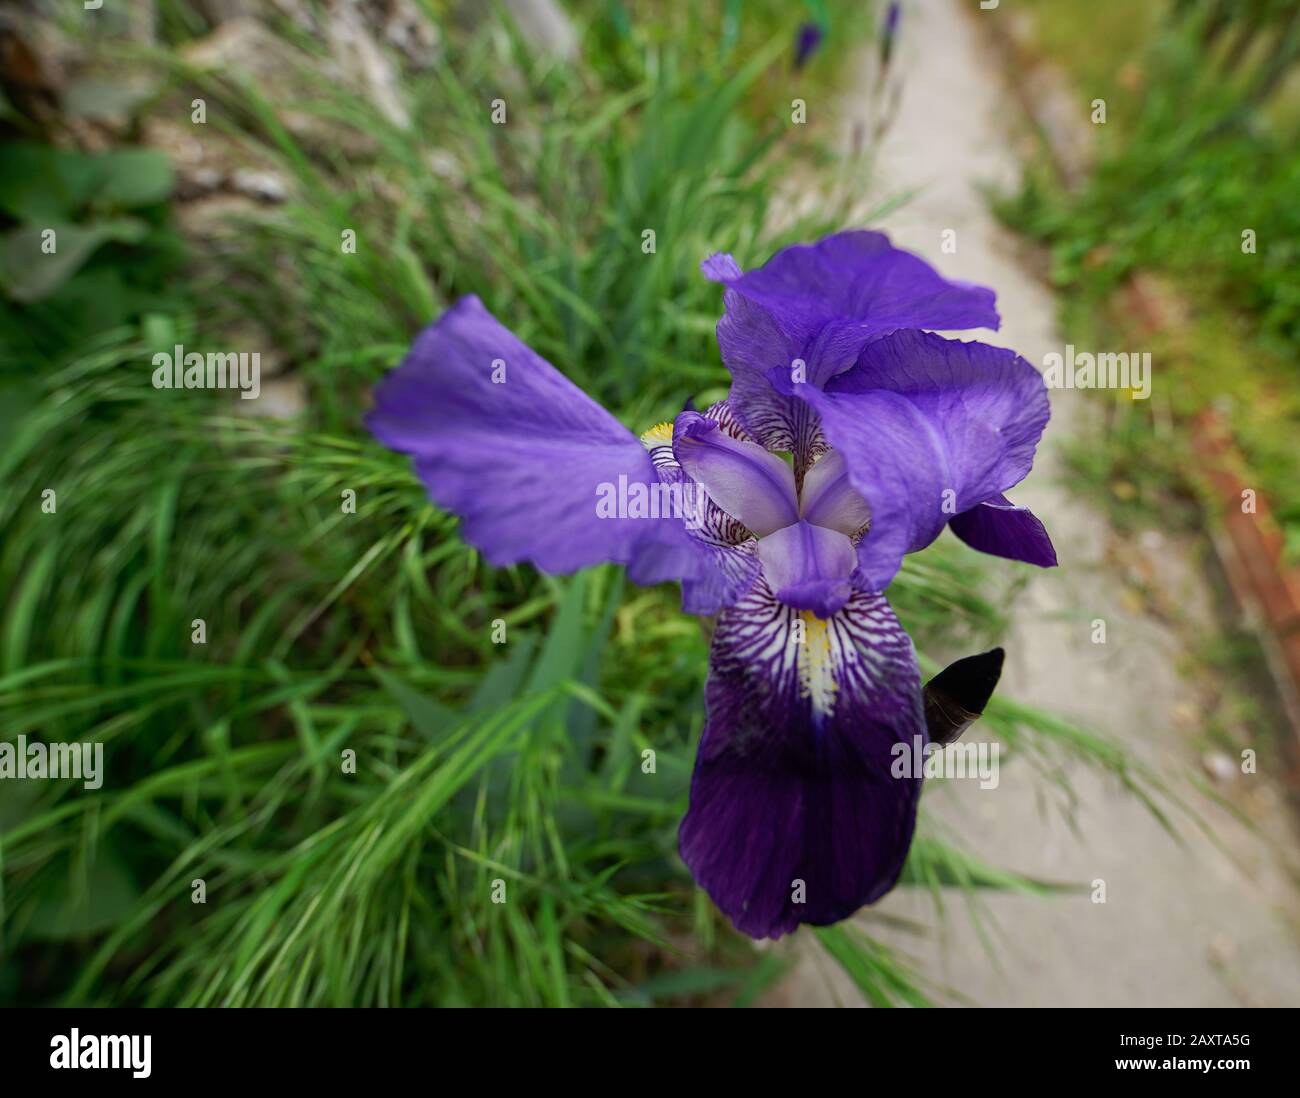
<point>808,567</point>
<point>528,461</point>
<point>761,357</point>
<point>742,478</point>
<point>859,276</point>
<point>929,427</point>
<point>806,313</point>
<point>998,527</point>
<point>795,815</point>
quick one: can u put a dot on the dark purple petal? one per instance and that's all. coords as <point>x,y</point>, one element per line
<point>525,462</point>
<point>1000,528</point>
<point>810,309</point>
<point>808,567</point>
<point>829,498</point>
<point>957,696</point>
<point>746,481</point>
<point>794,777</point>
<point>929,427</point>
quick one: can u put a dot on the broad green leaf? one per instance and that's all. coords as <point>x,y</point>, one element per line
<point>29,273</point>
<point>79,909</point>
<point>429,717</point>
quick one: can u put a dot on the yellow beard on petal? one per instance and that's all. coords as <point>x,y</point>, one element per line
<point>659,435</point>
<point>817,664</point>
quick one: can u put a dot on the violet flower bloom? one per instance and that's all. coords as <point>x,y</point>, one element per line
<point>889,31</point>
<point>892,432</point>
<point>807,41</point>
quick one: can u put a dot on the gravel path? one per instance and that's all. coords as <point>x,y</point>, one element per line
<point>1185,924</point>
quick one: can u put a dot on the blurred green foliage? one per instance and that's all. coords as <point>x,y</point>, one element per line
<point>1196,179</point>
<point>87,248</point>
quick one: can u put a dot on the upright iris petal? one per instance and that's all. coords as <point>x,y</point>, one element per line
<point>804,316</point>
<point>928,427</point>
<point>796,815</point>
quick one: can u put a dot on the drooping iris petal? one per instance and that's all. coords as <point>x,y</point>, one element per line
<point>794,796</point>
<point>928,427</point>
<point>1000,528</point>
<point>829,499</point>
<point>808,567</point>
<point>742,478</point>
<point>504,440</point>
<point>733,571</point>
<point>811,308</point>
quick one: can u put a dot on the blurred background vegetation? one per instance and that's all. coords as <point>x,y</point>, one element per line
<point>1201,144</point>
<point>330,631</point>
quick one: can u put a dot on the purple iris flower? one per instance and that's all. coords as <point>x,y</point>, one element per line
<point>851,436</point>
<point>889,31</point>
<point>806,42</point>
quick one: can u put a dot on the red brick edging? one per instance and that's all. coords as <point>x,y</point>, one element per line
<point>1248,541</point>
<point>1248,545</point>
